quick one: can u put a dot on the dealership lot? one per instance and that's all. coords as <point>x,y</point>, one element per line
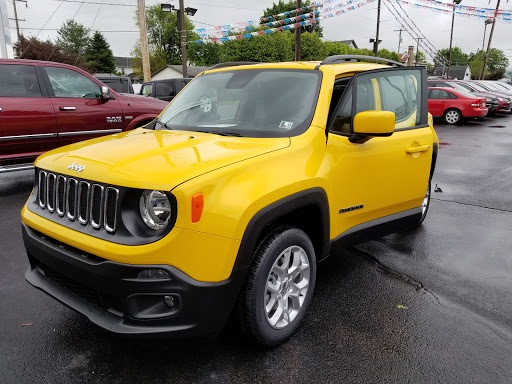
<point>433,304</point>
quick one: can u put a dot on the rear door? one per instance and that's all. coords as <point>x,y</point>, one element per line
<point>81,112</point>
<point>380,178</point>
<point>27,119</point>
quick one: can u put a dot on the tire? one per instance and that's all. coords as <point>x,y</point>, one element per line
<point>425,204</point>
<point>275,298</point>
<point>452,116</point>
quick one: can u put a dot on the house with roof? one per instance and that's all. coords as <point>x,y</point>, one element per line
<point>176,71</point>
<point>456,72</point>
<point>350,43</point>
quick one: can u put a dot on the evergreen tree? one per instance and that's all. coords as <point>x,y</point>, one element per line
<point>99,56</point>
<point>73,37</point>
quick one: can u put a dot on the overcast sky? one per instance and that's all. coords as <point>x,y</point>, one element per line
<point>118,25</point>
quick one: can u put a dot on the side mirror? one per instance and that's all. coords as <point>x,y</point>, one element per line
<point>105,93</point>
<point>372,123</point>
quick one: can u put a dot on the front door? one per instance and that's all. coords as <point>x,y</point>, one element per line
<point>81,112</point>
<point>382,176</point>
<point>27,119</point>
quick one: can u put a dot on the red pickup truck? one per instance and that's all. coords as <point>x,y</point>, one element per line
<point>44,105</point>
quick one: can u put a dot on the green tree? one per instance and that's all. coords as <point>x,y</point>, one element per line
<point>73,37</point>
<point>458,57</point>
<point>497,63</point>
<point>163,34</point>
<point>99,56</point>
<point>311,47</point>
<point>291,5</point>
<point>35,49</point>
<point>205,54</point>
<point>157,60</point>
<point>274,47</point>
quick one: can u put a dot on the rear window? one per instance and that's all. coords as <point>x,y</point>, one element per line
<point>18,81</point>
<point>118,85</point>
<point>164,89</point>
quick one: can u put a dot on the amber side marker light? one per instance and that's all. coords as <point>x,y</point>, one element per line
<point>197,207</point>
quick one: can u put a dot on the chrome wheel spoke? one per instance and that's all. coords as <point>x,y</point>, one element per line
<point>286,287</point>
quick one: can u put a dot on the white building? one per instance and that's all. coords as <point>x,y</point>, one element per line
<point>6,51</point>
<point>176,72</point>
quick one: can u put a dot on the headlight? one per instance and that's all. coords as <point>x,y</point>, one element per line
<point>155,209</point>
<point>501,99</point>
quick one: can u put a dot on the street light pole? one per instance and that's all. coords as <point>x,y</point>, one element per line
<point>181,26</point>
<point>490,37</point>
<point>455,2</point>
<point>480,74</point>
<point>376,42</point>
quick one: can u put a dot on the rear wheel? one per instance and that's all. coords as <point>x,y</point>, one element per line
<point>279,287</point>
<point>452,116</point>
<point>425,204</point>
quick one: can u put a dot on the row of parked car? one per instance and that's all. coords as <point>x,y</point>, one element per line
<point>454,100</point>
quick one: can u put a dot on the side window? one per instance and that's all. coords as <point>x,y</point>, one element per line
<point>452,95</point>
<point>19,81</point>
<point>343,120</point>
<point>147,90</point>
<point>438,94</point>
<point>164,89</point>
<point>338,90</point>
<point>68,83</point>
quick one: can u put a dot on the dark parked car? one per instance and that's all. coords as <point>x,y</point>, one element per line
<point>45,105</point>
<point>120,84</point>
<point>163,89</point>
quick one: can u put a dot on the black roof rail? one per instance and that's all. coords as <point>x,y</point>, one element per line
<point>233,64</point>
<point>338,59</point>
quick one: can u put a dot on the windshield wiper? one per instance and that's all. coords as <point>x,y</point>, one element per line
<point>220,133</point>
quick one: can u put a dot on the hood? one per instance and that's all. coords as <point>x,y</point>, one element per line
<point>140,99</point>
<point>154,159</point>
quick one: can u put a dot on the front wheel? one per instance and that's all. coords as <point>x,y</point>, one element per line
<point>452,116</point>
<point>279,287</point>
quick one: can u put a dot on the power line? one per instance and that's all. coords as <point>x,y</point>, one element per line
<point>47,21</point>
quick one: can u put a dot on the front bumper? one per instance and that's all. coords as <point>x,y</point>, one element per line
<point>112,296</point>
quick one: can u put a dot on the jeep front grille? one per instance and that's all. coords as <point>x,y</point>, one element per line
<point>89,203</point>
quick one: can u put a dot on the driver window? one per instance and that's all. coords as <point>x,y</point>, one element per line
<point>68,83</point>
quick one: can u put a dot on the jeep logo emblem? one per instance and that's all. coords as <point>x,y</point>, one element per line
<point>76,167</point>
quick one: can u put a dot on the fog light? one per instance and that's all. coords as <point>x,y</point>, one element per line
<point>169,301</point>
<point>154,274</point>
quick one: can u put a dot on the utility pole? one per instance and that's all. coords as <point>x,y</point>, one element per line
<point>399,38</point>
<point>490,37</point>
<point>183,33</point>
<point>455,2</point>
<point>376,42</point>
<point>298,31</point>
<point>418,48</point>
<point>410,55</point>
<point>144,40</point>
<point>16,17</point>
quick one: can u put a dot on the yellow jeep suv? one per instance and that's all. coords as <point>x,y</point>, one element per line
<point>228,200</point>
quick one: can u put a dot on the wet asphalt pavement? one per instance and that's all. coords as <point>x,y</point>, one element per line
<point>423,306</point>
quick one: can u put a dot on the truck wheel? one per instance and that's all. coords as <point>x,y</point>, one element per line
<point>452,116</point>
<point>279,287</point>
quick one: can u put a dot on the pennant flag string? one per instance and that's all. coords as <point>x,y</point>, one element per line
<point>286,27</point>
<point>471,13</point>
<point>223,30</point>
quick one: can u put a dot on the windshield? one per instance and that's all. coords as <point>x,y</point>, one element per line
<point>480,87</point>
<point>249,102</point>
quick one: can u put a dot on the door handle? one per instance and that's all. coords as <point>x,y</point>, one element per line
<point>421,148</point>
<point>67,108</point>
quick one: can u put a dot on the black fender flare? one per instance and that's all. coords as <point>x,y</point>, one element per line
<point>311,197</point>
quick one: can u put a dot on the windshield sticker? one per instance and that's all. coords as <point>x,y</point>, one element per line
<point>286,124</point>
<point>205,103</point>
